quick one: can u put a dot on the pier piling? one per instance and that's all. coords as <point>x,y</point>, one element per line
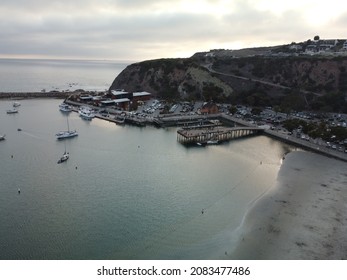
<point>214,134</point>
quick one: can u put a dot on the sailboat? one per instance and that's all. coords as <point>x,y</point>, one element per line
<point>65,156</point>
<point>67,133</point>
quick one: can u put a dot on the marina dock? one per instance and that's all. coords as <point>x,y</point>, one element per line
<point>212,135</point>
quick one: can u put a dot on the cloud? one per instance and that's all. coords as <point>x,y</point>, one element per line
<point>134,29</point>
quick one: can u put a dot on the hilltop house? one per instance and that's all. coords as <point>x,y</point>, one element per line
<point>344,47</point>
<point>321,45</point>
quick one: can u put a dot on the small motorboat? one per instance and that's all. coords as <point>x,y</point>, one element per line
<point>2,137</point>
<point>65,107</point>
<point>12,111</point>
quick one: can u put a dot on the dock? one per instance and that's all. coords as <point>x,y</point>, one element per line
<point>215,134</point>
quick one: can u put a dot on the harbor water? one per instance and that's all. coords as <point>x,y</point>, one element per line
<point>126,192</point>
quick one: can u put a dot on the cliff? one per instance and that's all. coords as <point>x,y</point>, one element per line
<point>172,79</point>
<point>295,82</point>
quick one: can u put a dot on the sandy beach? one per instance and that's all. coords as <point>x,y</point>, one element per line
<point>304,217</point>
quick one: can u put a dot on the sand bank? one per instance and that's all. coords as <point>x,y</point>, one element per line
<point>303,217</point>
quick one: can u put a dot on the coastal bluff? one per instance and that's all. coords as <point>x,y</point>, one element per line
<point>289,82</point>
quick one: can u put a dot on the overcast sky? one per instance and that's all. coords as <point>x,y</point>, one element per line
<point>147,29</point>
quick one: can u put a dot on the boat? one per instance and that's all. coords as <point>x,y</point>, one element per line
<point>86,113</point>
<point>67,133</point>
<point>65,107</point>
<point>212,142</point>
<point>16,104</point>
<point>2,137</point>
<point>65,157</point>
<point>119,120</point>
<point>12,111</point>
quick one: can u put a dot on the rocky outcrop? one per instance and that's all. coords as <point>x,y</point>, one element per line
<point>172,78</point>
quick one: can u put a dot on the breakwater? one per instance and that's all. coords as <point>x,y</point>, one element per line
<point>20,95</point>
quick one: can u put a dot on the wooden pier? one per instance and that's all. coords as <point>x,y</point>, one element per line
<point>214,134</point>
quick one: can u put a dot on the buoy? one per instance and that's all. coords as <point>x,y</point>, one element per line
<point>18,190</point>
<point>11,156</point>
<point>76,167</point>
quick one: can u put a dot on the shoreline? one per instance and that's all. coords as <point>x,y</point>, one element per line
<point>302,217</point>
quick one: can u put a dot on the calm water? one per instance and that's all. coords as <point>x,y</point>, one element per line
<point>30,75</point>
<point>125,193</point>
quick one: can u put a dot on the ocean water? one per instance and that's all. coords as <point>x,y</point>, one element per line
<point>126,192</point>
<point>34,75</point>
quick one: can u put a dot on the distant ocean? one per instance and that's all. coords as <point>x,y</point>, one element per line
<point>34,75</point>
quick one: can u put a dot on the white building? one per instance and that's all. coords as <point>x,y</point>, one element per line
<point>344,47</point>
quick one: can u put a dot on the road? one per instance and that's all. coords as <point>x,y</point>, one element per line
<point>209,68</point>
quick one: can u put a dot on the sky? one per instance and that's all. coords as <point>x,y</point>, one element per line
<point>137,30</point>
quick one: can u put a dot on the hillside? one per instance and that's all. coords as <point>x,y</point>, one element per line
<point>291,81</point>
<point>172,79</point>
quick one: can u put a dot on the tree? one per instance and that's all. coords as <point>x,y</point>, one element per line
<point>316,38</point>
<point>233,110</point>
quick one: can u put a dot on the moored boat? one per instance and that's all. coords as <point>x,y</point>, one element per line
<point>16,104</point>
<point>65,157</point>
<point>67,133</point>
<point>212,142</point>
<point>86,113</point>
<point>65,107</point>
<point>119,120</point>
<point>12,111</point>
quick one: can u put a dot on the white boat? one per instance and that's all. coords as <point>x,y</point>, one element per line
<point>16,104</point>
<point>12,111</point>
<point>67,133</point>
<point>2,137</point>
<point>86,113</point>
<point>212,142</point>
<point>65,107</point>
<point>65,157</point>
